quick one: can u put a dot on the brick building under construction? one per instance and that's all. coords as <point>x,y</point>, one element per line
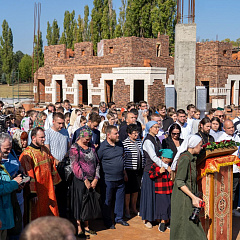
<point>132,69</point>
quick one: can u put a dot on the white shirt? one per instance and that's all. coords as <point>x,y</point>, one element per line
<point>216,135</point>
<point>185,130</point>
<point>49,121</point>
<point>148,146</point>
<point>235,138</point>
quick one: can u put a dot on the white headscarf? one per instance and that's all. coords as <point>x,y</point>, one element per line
<point>190,142</point>
<point>76,124</point>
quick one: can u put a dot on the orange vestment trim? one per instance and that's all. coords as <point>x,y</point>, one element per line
<point>212,165</point>
<point>40,166</point>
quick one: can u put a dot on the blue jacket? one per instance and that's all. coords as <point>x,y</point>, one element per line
<point>7,186</point>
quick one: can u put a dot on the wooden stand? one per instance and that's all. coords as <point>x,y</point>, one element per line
<point>217,187</point>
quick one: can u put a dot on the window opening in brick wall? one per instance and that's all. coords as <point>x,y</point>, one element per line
<point>59,91</point>
<point>111,50</point>
<point>41,90</point>
<point>83,52</point>
<point>224,53</point>
<point>206,85</point>
<point>58,54</point>
<point>109,91</point>
<point>158,47</point>
<point>83,92</point>
<point>138,90</point>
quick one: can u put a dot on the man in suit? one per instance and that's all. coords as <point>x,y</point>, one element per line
<point>93,122</point>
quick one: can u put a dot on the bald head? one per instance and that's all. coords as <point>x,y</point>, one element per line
<point>228,127</point>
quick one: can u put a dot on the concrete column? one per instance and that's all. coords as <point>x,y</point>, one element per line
<point>185,64</point>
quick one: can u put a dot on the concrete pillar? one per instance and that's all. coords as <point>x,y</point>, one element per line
<point>185,64</point>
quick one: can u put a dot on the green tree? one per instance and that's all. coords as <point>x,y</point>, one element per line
<point>25,68</point>
<point>96,23</point>
<point>112,20</point>
<point>79,29</point>
<point>6,41</point>
<point>17,59</point>
<point>49,34</point>
<point>105,21</point>
<point>86,30</point>
<point>55,32</point>
<point>121,20</point>
<point>68,29</point>
<point>38,52</point>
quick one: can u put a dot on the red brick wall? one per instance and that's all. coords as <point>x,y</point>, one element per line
<point>214,63</point>
<point>121,93</point>
<point>118,52</point>
<point>156,93</point>
<point>95,99</point>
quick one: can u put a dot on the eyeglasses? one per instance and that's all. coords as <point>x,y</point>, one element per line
<point>175,134</point>
<point>220,116</point>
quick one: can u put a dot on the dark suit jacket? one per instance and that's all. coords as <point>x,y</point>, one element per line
<point>123,131</point>
<point>169,144</point>
<point>95,136</point>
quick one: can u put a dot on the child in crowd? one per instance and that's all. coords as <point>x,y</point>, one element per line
<point>163,190</point>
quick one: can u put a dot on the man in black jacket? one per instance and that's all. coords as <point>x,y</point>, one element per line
<point>166,121</point>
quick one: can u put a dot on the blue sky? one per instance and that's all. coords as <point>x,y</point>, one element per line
<point>213,17</point>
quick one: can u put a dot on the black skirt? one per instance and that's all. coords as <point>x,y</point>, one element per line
<point>134,181</point>
<point>77,190</point>
<point>163,206</point>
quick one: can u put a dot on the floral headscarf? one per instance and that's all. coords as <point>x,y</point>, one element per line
<point>85,132</point>
<point>38,122</point>
<point>25,124</point>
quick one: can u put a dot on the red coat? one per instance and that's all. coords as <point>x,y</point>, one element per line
<point>163,184</point>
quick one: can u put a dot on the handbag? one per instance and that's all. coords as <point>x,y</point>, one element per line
<point>64,169</point>
<point>17,214</point>
<point>91,208</point>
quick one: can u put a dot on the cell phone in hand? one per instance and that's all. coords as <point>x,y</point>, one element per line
<point>25,180</point>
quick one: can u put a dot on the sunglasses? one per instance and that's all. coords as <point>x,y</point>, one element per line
<point>175,134</point>
<point>220,116</point>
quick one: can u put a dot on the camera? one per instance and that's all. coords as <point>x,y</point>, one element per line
<point>195,215</point>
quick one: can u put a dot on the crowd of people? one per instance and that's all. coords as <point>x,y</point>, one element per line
<point>140,158</point>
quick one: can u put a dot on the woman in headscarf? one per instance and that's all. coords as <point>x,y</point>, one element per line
<point>151,147</point>
<point>184,193</point>
<point>26,124</point>
<point>85,167</point>
<point>20,141</point>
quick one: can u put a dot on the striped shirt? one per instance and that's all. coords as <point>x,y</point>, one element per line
<point>58,142</point>
<point>131,154</point>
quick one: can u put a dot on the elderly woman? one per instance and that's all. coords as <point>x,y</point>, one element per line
<point>133,163</point>
<point>184,192</point>
<point>85,166</point>
<point>20,141</point>
<point>151,147</point>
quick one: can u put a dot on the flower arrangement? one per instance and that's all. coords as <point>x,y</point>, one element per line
<point>219,145</point>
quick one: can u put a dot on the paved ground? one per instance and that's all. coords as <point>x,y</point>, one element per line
<point>137,230</point>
